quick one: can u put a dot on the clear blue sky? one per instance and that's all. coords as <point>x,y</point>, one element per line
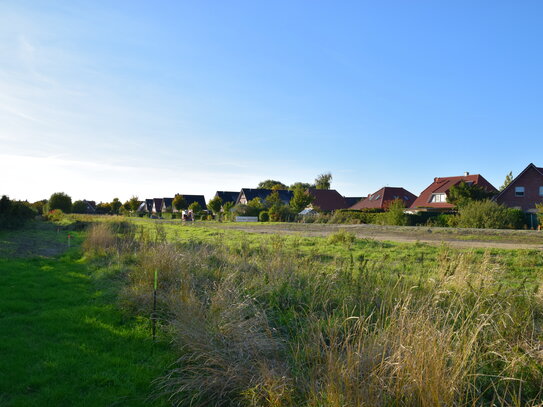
<point>110,98</point>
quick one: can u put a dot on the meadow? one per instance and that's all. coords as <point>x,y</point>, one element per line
<point>248,319</point>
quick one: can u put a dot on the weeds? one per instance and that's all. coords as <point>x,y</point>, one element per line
<point>261,325</point>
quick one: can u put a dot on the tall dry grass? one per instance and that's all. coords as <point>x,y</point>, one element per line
<point>268,327</point>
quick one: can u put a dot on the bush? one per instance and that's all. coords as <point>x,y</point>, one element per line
<point>280,213</point>
<point>489,215</point>
<point>56,215</point>
<point>395,214</point>
<point>352,217</point>
<point>79,207</point>
<point>14,214</point>
<point>60,200</point>
<point>264,216</point>
<point>342,237</point>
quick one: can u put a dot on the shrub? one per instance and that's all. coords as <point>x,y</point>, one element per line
<point>56,215</point>
<point>490,215</point>
<point>100,238</point>
<point>342,237</point>
<point>279,213</point>
<point>264,216</point>
<point>60,200</point>
<point>79,207</point>
<point>395,214</point>
<point>14,214</point>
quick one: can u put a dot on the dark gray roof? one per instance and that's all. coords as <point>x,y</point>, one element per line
<point>227,196</point>
<point>195,198</point>
<point>168,202</point>
<point>252,193</point>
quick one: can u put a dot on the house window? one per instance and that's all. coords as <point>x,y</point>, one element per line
<point>438,198</point>
<point>540,191</point>
<point>519,191</point>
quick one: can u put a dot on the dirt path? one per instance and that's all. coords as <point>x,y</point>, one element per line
<point>461,238</point>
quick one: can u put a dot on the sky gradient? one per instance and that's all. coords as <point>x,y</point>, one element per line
<point>112,99</point>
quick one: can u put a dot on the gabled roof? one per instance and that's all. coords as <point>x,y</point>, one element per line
<point>531,165</point>
<point>441,185</point>
<point>227,196</point>
<point>382,198</point>
<point>91,206</point>
<point>351,200</point>
<point>195,198</point>
<point>149,205</point>
<point>168,202</point>
<point>158,202</point>
<point>327,199</point>
<point>251,193</point>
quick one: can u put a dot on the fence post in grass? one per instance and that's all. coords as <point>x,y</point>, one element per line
<point>153,318</point>
<point>69,240</point>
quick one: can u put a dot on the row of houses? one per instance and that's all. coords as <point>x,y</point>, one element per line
<point>524,192</point>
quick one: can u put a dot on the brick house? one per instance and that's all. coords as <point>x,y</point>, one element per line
<point>434,198</point>
<point>525,191</point>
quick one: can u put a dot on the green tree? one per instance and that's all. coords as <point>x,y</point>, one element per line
<point>79,207</point>
<point>227,210</point>
<point>103,208</point>
<point>323,181</point>
<point>115,206</point>
<point>271,184</point>
<point>134,203</point>
<point>300,199</point>
<point>179,202</point>
<point>60,200</point>
<point>464,193</point>
<point>395,213</point>
<point>195,207</point>
<point>254,207</point>
<point>303,185</point>
<point>508,180</point>
<point>272,199</point>
<point>39,206</point>
<point>215,205</point>
<point>489,215</point>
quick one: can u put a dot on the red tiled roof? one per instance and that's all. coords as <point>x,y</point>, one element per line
<point>327,199</point>
<point>382,198</point>
<point>443,184</point>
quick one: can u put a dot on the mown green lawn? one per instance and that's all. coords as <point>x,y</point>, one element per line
<point>63,340</point>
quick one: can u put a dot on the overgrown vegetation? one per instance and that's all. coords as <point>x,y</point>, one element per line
<point>337,322</point>
<point>14,214</point>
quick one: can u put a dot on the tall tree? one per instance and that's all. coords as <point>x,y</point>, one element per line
<point>115,206</point>
<point>300,199</point>
<point>179,202</point>
<point>272,184</point>
<point>60,200</point>
<point>215,205</point>
<point>464,193</point>
<point>323,181</point>
<point>508,180</point>
<point>304,185</point>
<point>134,203</point>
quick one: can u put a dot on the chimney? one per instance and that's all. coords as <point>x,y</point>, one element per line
<point>466,174</point>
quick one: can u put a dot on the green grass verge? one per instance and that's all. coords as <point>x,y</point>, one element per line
<point>63,340</point>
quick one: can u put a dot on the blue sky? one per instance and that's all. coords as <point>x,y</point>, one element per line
<point>103,99</point>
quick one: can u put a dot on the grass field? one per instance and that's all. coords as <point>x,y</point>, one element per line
<point>63,339</point>
<point>264,319</point>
